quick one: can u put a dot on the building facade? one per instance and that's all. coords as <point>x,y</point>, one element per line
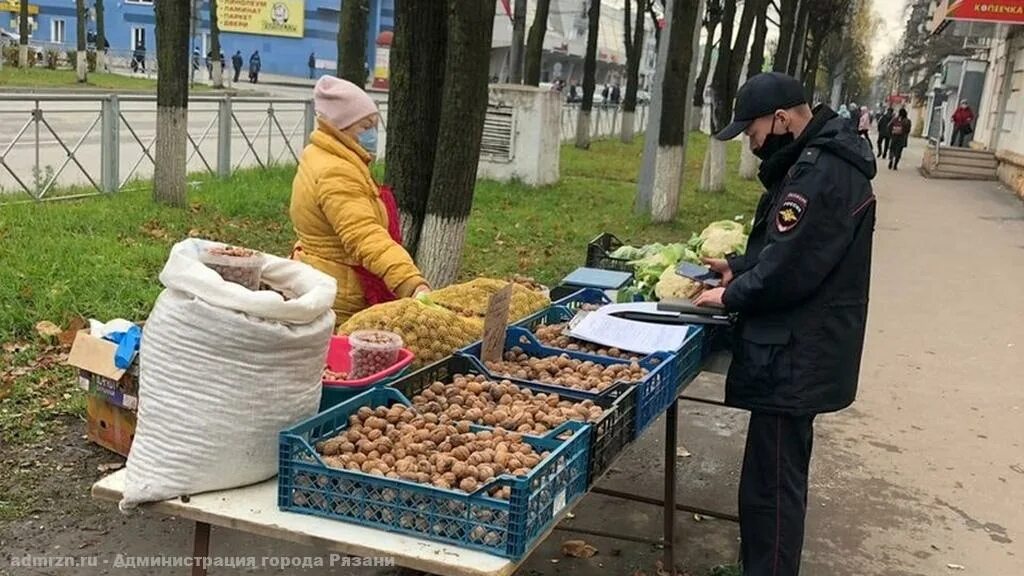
<point>285,32</point>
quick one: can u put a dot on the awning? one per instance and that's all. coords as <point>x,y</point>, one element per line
<point>998,11</point>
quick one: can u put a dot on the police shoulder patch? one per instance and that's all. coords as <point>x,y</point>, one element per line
<point>790,211</point>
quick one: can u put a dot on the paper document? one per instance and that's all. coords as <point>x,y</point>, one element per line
<point>630,335</point>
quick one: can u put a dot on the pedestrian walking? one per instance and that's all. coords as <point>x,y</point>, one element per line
<point>209,64</point>
<point>883,133</point>
<point>854,115</point>
<point>254,67</point>
<point>616,94</point>
<point>844,112</point>
<point>605,95</point>
<point>800,294</point>
<point>236,63</point>
<point>864,126</point>
<point>962,128</point>
<point>312,65</point>
<point>899,131</point>
<point>139,58</point>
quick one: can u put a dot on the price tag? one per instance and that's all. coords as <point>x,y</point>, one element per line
<point>559,503</point>
<point>495,324</point>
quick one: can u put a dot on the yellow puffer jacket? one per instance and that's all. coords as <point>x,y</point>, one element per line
<point>341,222</point>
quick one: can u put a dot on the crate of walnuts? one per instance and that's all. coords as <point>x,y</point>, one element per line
<point>377,461</point>
<point>456,387</point>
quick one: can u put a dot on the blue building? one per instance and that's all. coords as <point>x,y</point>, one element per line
<point>284,48</point>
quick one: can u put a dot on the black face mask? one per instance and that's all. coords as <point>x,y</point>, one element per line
<point>773,143</point>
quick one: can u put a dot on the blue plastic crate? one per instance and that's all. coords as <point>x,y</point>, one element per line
<point>610,433</point>
<point>654,393</point>
<point>479,521</point>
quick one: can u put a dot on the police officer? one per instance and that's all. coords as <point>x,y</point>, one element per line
<point>800,293</point>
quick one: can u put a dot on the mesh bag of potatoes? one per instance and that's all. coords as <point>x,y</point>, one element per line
<point>427,330</point>
<point>470,299</point>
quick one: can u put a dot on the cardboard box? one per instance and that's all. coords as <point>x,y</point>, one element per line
<point>110,426</point>
<point>97,374</point>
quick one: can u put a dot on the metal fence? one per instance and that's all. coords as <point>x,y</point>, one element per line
<point>74,146</point>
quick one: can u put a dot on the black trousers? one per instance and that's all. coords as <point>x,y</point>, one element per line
<point>773,493</point>
<point>883,146</point>
<point>237,72</point>
<point>959,135</point>
<point>896,155</point>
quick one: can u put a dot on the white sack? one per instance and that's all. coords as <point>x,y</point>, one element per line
<point>222,371</point>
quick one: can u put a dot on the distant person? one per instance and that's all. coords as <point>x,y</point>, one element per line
<point>139,58</point>
<point>899,130</point>
<point>616,94</point>
<point>605,93</point>
<point>209,64</point>
<point>574,93</point>
<point>883,132</point>
<point>854,115</point>
<point>843,112</point>
<point>312,65</point>
<point>195,61</point>
<point>962,127</point>
<point>236,63</point>
<point>254,67</point>
<point>864,125</point>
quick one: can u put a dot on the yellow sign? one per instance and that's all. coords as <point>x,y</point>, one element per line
<point>268,17</point>
<point>15,6</point>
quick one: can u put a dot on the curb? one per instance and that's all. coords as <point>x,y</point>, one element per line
<point>109,91</point>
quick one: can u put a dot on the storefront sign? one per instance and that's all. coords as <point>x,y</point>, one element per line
<point>1006,11</point>
<point>15,6</point>
<point>267,17</point>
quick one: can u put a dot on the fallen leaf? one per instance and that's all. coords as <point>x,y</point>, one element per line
<point>67,337</point>
<point>47,329</point>
<point>110,466</point>
<point>577,549</point>
<point>15,347</point>
<point>954,566</point>
<point>682,452</point>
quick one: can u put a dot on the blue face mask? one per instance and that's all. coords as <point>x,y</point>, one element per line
<point>368,140</point>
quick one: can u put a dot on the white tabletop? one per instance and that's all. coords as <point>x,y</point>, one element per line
<point>253,509</point>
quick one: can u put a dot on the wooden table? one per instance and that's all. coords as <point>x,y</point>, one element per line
<point>253,509</point>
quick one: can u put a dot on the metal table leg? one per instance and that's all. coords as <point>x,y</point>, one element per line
<point>200,549</point>
<point>671,441</point>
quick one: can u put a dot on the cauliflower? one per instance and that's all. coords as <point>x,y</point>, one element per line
<point>722,238</point>
<point>672,286</point>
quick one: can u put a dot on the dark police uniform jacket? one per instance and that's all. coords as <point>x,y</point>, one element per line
<point>801,289</point>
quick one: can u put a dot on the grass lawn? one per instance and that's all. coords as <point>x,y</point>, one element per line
<point>45,78</point>
<point>101,257</point>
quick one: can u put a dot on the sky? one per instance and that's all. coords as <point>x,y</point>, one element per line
<point>891,13</point>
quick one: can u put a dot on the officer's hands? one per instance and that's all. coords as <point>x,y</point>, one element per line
<point>711,298</point>
<point>720,266</point>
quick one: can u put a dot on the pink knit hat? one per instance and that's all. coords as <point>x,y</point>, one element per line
<point>340,102</point>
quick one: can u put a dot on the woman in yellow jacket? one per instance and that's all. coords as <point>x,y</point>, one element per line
<point>347,225</point>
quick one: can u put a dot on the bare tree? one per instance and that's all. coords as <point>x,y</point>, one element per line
<point>82,60</point>
<point>634,38</point>
<point>470,25</point>
<point>589,76</point>
<point>23,34</point>
<point>787,26</point>
<point>352,30</point>
<point>713,171</point>
<point>172,40</point>
<point>217,66</point>
<point>518,36</point>
<point>101,38</point>
<point>535,43</point>
<point>676,100</point>
<point>712,18</point>
<point>417,68</point>
<point>755,64</point>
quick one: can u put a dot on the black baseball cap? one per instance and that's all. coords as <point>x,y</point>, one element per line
<point>760,96</point>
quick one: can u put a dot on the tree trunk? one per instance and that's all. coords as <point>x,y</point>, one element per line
<point>23,35</point>
<point>589,76</point>
<point>787,24</point>
<point>748,162</point>
<point>417,68</point>
<point>796,51</point>
<point>810,72</point>
<point>101,38</point>
<point>755,65</point>
<point>713,174</point>
<point>713,19</point>
<point>684,34</point>
<point>352,30</point>
<point>535,43</point>
<point>518,36</point>
<point>739,49</point>
<point>216,67</point>
<point>82,64</point>
<point>470,25</point>
<point>635,53</point>
<point>172,40</point>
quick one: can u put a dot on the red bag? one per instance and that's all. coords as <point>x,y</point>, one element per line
<point>375,291</point>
